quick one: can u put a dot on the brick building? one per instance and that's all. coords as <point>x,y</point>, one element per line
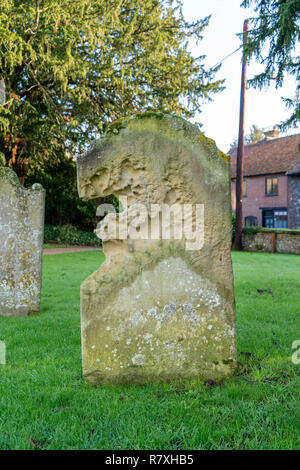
<point>271,190</point>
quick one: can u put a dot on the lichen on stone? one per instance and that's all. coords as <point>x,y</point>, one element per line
<point>21,239</point>
<point>155,310</point>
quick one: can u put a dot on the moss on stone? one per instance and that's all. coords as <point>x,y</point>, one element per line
<point>211,145</point>
<point>179,124</point>
<point>9,175</point>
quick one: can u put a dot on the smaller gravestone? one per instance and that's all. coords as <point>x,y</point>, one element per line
<point>2,92</point>
<point>21,245</point>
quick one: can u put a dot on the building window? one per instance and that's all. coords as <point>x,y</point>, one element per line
<point>280,219</point>
<point>250,221</point>
<point>272,186</point>
<point>275,218</point>
<point>244,188</point>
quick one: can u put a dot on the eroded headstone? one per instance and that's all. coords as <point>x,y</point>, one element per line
<point>21,244</point>
<point>161,307</point>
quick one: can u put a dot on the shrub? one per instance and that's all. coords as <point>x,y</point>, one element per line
<point>2,159</point>
<point>252,230</point>
<point>257,228</point>
<point>69,234</point>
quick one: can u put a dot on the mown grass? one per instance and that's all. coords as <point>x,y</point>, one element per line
<point>44,403</point>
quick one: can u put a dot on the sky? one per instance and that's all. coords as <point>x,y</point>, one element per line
<point>220,118</point>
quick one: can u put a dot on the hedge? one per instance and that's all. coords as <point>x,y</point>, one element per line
<point>69,234</point>
<point>257,228</point>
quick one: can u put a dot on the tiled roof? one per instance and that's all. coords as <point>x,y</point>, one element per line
<point>268,156</point>
<point>296,169</point>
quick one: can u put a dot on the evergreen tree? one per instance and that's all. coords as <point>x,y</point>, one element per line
<point>70,67</point>
<point>273,40</point>
<point>255,135</point>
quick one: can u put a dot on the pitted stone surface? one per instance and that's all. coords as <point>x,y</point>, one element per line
<point>155,310</point>
<point>21,242</point>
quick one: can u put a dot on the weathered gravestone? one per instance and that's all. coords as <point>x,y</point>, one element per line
<point>161,307</point>
<point>21,244</point>
<point>2,92</point>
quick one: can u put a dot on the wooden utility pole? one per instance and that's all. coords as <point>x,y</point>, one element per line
<point>237,245</point>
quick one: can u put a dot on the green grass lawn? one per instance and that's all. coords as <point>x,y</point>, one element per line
<point>45,404</point>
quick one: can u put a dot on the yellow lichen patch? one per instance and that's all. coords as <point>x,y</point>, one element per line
<point>25,279</point>
<point>210,143</point>
<point>224,156</point>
